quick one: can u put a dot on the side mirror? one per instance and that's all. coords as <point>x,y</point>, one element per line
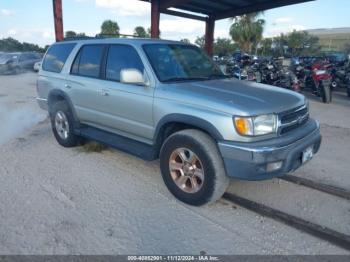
<point>133,76</point>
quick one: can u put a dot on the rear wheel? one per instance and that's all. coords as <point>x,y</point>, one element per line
<point>192,168</point>
<point>348,91</point>
<point>62,124</point>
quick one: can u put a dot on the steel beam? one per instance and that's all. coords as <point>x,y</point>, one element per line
<point>155,17</point>
<point>184,15</point>
<point>165,4</point>
<point>209,35</point>
<point>58,19</point>
<point>256,8</point>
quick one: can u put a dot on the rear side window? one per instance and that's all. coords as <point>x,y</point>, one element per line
<point>56,57</point>
<point>88,61</point>
<point>122,57</point>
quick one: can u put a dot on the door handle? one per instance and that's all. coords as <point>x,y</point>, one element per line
<point>67,86</point>
<point>104,92</point>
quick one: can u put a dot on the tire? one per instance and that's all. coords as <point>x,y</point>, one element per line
<point>326,93</point>
<point>17,70</point>
<point>348,91</point>
<point>65,136</point>
<point>214,182</point>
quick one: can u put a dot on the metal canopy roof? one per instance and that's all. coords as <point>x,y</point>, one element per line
<point>219,9</point>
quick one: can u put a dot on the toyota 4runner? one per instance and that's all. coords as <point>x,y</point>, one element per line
<point>167,100</point>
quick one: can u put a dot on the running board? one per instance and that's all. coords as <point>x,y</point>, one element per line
<point>127,145</point>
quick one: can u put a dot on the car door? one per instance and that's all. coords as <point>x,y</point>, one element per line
<point>83,83</point>
<point>23,61</point>
<point>125,108</point>
<point>26,61</point>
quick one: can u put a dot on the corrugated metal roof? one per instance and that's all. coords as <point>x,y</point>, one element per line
<point>220,9</point>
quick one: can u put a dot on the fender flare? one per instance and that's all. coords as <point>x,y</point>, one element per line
<point>59,93</point>
<point>189,120</point>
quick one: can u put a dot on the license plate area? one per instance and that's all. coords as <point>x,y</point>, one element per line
<point>308,154</point>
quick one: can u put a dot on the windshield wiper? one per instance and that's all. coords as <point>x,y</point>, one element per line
<point>178,79</point>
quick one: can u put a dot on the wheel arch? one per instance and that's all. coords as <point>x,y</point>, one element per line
<point>56,95</point>
<point>176,122</point>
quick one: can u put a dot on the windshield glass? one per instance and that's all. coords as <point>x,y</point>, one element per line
<point>176,62</point>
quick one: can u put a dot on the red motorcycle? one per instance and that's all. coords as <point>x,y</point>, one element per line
<point>320,79</point>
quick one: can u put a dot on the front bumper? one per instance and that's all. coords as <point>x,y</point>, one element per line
<point>248,161</point>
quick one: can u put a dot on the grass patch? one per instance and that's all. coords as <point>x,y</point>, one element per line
<point>93,147</point>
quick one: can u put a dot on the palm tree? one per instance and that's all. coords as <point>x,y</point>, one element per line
<point>247,30</point>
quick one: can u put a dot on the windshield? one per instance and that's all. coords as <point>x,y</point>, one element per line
<point>176,62</point>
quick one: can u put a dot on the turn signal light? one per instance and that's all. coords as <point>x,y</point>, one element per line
<point>243,126</point>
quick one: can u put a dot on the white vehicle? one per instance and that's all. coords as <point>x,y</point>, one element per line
<point>37,66</point>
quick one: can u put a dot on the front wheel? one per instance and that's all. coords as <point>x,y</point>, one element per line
<point>326,93</point>
<point>334,84</point>
<point>192,168</point>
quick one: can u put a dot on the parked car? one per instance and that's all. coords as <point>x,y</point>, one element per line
<point>167,100</point>
<point>14,63</point>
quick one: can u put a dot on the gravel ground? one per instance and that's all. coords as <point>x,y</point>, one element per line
<point>332,164</point>
<point>68,201</point>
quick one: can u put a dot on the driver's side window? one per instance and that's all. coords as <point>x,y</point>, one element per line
<point>122,57</point>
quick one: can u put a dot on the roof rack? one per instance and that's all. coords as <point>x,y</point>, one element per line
<point>100,36</point>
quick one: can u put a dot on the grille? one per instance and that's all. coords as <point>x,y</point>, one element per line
<point>293,119</point>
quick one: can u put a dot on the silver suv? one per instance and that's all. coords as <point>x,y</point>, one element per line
<point>167,100</point>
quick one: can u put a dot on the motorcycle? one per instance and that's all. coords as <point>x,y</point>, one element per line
<point>340,77</point>
<point>281,76</point>
<point>288,80</point>
<point>319,80</point>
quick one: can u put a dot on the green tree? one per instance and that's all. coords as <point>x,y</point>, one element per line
<point>279,45</point>
<point>13,45</point>
<point>141,32</point>
<point>301,42</point>
<point>70,34</point>
<point>200,41</point>
<point>265,47</point>
<point>185,40</point>
<point>224,46</point>
<point>110,27</point>
<point>247,31</point>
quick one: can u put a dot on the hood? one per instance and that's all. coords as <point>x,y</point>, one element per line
<point>237,97</point>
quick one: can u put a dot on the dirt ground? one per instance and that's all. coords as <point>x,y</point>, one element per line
<point>68,201</point>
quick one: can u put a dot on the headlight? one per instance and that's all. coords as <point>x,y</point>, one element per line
<point>256,126</point>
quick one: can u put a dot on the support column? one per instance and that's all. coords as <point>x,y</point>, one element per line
<point>155,17</point>
<point>57,13</point>
<point>209,35</point>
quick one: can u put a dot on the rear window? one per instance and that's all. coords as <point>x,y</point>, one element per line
<point>56,57</point>
<point>88,61</point>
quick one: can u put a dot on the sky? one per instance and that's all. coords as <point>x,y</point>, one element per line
<point>32,20</point>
